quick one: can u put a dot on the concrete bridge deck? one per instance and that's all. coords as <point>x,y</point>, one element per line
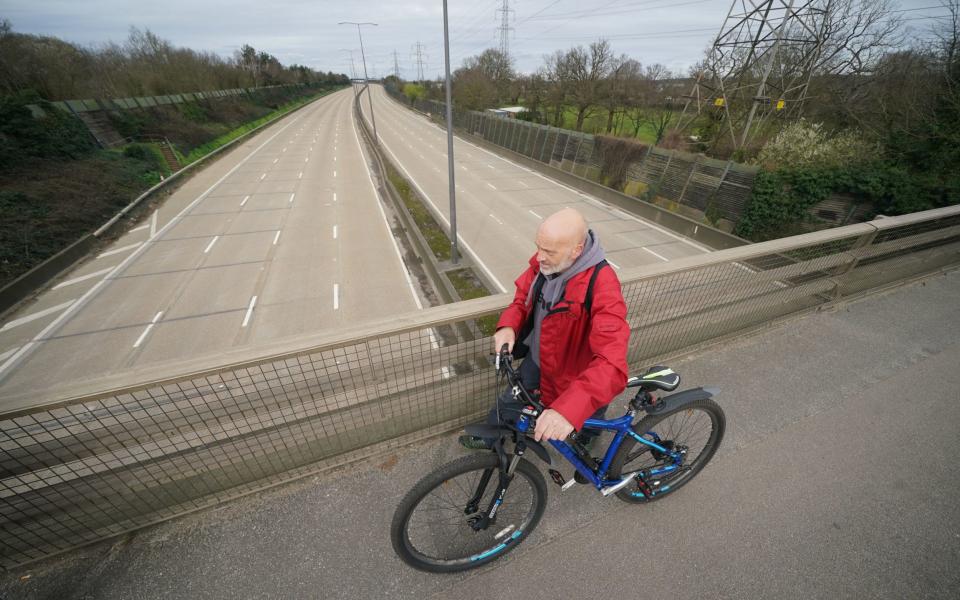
<point>837,478</point>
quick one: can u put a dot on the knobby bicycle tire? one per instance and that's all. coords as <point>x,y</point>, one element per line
<point>633,455</point>
<point>506,534</point>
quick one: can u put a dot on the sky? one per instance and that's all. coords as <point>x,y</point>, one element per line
<point>674,33</point>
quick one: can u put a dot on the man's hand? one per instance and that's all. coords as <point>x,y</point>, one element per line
<point>551,425</point>
<point>504,335</point>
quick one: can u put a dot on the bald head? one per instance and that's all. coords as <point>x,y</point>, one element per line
<point>560,240</point>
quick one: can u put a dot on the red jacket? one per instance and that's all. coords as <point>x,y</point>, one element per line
<point>583,358</point>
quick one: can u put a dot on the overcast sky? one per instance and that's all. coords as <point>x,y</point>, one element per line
<point>671,32</point>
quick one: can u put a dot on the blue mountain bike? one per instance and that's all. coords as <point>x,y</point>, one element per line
<point>461,516</point>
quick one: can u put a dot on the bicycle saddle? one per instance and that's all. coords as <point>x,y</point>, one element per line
<point>656,378</point>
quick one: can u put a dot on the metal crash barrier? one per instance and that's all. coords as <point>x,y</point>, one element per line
<point>75,470</point>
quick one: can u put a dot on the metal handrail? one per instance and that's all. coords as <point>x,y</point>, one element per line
<point>198,367</point>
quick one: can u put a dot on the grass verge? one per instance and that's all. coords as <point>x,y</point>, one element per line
<point>432,232</point>
<point>205,149</point>
<point>469,287</point>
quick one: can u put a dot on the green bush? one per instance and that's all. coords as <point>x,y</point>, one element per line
<point>54,135</point>
<point>781,199</point>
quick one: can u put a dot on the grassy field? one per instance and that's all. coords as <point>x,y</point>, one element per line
<point>597,124</point>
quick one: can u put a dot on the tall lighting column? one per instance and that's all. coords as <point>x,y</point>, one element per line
<point>373,119</point>
<point>454,255</point>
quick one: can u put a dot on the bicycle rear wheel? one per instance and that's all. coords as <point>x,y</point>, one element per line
<point>697,428</point>
<point>431,528</point>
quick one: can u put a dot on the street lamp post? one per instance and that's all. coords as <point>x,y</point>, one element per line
<point>453,188</point>
<point>353,71</point>
<point>373,119</point>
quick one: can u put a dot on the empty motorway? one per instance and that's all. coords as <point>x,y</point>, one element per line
<point>500,203</point>
<point>283,235</point>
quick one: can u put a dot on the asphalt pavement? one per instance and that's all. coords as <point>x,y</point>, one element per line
<point>837,479</point>
<point>500,203</point>
<point>282,236</point>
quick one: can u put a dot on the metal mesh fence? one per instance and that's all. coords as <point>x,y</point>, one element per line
<point>89,468</point>
<point>689,179</point>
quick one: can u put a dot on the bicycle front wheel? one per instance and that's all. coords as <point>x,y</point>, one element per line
<point>432,527</point>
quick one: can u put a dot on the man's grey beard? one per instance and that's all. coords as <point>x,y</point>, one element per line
<point>563,266</point>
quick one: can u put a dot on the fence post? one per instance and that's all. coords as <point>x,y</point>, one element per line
<point>586,162</point>
<point>864,240</point>
<point>553,150</point>
<point>576,155</point>
<point>665,169</point>
<point>696,161</point>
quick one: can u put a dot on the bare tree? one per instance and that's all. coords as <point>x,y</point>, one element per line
<point>587,68</point>
<point>616,88</point>
<point>556,75</point>
<point>647,103</point>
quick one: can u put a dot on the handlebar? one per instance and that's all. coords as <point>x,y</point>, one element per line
<point>504,365</point>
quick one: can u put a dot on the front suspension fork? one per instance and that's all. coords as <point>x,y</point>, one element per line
<point>489,516</point>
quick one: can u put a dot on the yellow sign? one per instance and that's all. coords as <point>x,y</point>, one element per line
<point>718,102</point>
<point>780,104</point>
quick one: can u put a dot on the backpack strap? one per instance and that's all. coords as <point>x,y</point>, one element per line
<point>588,298</point>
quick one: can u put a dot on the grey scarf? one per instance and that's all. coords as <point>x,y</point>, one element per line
<point>553,288</point>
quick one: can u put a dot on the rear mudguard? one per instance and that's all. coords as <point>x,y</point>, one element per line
<point>675,401</point>
<point>485,430</point>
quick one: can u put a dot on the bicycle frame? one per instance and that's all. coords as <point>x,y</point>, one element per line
<point>623,427</point>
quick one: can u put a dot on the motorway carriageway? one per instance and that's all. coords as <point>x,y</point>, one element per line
<point>283,235</point>
<point>500,203</point>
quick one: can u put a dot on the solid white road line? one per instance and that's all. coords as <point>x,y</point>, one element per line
<point>664,259</point>
<point>210,245</point>
<point>446,222</point>
<point>386,223</point>
<point>36,315</point>
<point>27,348</point>
<point>245,198</point>
<point>8,353</point>
<point>534,214</point>
<point>153,223</point>
<point>336,296</point>
<point>144,226</point>
<point>119,250</point>
<point>82,278</point>
<point>275,238</point>
<point>156,318</point>
<point>334,232</point>
<point>554,181</point>
<point>246,317</point>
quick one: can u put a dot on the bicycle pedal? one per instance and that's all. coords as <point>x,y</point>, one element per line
<point>557,477</point>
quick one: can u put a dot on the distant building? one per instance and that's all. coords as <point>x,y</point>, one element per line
<point>508,112</point>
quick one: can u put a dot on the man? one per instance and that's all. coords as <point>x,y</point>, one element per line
<point>568,318</point>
